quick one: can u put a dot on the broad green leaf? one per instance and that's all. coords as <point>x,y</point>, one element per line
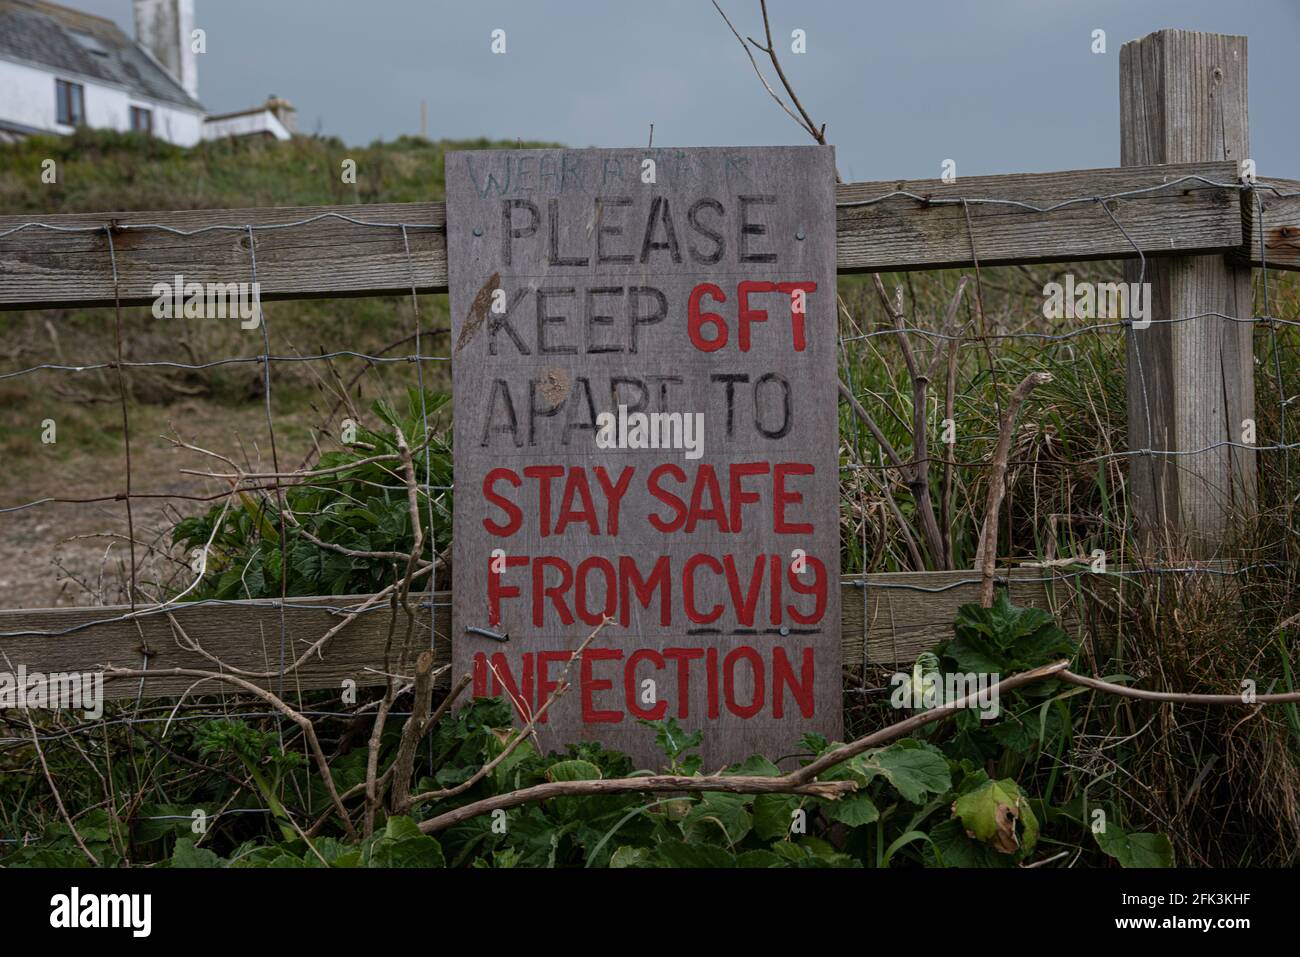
<point>773,814</point>
<point>760,858</point>
<point>402,845</point>
<point>573,770</point>
<point>682,854</point>
<point>952,848</point>
<point>913,769</point>
<point>1139,849</point>
<point>185,854</point>
<point>718,817</point>
<point>754,766</point>
<point>627,856</point>
<point>853,810</point>
<point>812,852</point>
<point>998,814</point>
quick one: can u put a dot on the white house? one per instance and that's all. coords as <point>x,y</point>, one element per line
<point>61,68</point>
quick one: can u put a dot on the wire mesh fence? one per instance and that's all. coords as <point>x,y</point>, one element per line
<point>885,442</point>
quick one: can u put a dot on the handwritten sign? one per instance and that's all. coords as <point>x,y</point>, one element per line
<point>646,429</point>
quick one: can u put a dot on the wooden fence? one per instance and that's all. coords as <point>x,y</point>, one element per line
<point>1177,209</point>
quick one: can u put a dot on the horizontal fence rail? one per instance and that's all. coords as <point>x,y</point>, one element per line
<point>1272,223</point>
<point>887,620</point>
<point>362,250</point>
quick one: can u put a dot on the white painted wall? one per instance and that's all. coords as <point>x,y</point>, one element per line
<point>27,97</point>
<point>263,123</point>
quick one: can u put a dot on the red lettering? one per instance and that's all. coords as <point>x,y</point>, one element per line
<point>497,591</point>
<point>729,681</point>
<point>684,657</point>
<point>630,685</point>
<point>542,591</point>
<point>746,314</point>
<point>668,498</point>
<point>630,576</point>
<point>513,514</point>
<point>744,606</point>
<point>576,485</point>
<point>544,474</point>
<point>696,319</point>
<point>816,589</point>
<point>706,481</point>
<point>739,497</point>
<point>590,685</point>
<point>797,317</point>
<point>781,497</point>
<point>613,495</point>
<point>688,589</point>
<point>521,695</point>
<point>544,683</point>
<point>611,592</point>
<point>783,676</point>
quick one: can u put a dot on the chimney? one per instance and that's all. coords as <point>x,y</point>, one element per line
<point>163,27</point>
<point>284,111</point>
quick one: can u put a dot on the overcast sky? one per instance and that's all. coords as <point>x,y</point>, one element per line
<point>998,85</point>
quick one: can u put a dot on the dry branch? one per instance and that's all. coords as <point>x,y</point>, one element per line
<point>308,730</point>
<point>801,781</point>
<point>986,553</point>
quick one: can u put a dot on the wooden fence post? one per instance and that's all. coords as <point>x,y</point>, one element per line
<point>1190,382</point>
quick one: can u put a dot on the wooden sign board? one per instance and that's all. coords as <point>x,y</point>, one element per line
<point>646,428</point>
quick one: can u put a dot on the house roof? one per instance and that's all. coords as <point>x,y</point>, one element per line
<point>68,40</point>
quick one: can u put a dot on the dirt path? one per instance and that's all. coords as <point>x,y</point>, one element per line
<point>60,554</point>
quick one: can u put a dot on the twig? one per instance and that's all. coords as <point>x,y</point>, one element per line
<point>796,782</point>
<point>1289,697</point>
<point>309,732</point>
<point>58,798</point>
<point>988,546</point>
<point>805,121</point>
<point>560,688</point>
<point>762,79</point>
<point>819,134</point>
<point>413,730</point>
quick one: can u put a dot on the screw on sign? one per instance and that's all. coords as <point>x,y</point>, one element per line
<point>646,430</point>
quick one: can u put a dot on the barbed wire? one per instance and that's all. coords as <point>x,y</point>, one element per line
<point>926,200</point>
<point>267,360</point>
<point>245,227</point>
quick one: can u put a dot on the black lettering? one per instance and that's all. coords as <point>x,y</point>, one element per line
<point>618,382</point>
<point>784,430</point>
<point>659,213</point>
<point>719,244</point>
<point>502,321</point>
<point>753,229</point>
<point>509,231</point>
<point>536,412</point>
<point>663,381</point>
<point>545,319</point>
<point>575,408</point>
<point>502,388</point>
<point>553,246</point>
<point>634,308</point>
<point>603,203</point>
<point>594,319</point>
<point>730,378</point>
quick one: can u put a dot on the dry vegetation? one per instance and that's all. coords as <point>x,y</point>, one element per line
<point>1223,783</point>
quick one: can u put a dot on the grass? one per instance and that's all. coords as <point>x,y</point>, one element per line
<point>1224,784</point>
<point>100,171</point>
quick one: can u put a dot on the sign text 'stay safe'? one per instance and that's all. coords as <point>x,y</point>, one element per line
<point>646,430</point>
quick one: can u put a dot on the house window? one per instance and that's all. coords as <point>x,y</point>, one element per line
<point>141,120</point>
<point>71,102</point>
